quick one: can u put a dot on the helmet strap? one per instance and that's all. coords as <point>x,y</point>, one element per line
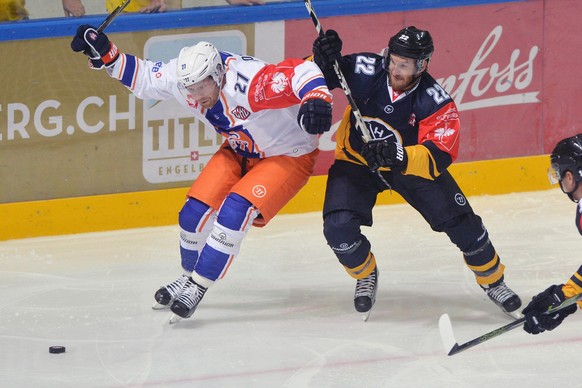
<point>570,194</point>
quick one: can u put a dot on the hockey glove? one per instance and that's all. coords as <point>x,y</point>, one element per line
<point>315,116</point>
<point>384,153</point>
<point>535,321</point>
<point>95,45</point>
<point>327,49</point>
<point>96,64</point>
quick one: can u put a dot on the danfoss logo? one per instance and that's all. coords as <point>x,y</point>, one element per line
<point>478,79</point>
<point>507,78</point>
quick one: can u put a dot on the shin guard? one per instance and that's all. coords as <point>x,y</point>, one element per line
<point>235,217</point>
<point>351,247</point>
<point>196,220</point>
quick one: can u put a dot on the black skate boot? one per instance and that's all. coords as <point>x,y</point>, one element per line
<point>167,294</point>
<point>365,294</point>
<point>504,297</point>
<point>186,304</point>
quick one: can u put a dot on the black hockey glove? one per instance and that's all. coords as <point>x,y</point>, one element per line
<point>315,116</point>
<point>327,49</point>
<point>384,153</point>
<point>96,46</point>
<point>535,321</point>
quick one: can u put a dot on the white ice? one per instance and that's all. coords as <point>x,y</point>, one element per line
<point>283,316</point>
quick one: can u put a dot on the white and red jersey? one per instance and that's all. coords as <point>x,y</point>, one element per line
<point>258,105</point>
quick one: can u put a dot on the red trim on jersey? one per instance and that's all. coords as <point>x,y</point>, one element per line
<point>135,72</point>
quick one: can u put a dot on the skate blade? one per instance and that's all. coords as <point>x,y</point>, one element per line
<point>174,319</point>
<point>158,306</point>
<point>366,315</point>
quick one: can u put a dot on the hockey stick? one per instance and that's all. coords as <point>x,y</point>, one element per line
<point>360,124</point>
<point>112,16</point>
<point>452,347</point>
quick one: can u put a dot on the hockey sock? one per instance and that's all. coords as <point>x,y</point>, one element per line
<point>235,217</point>
<point>195,220</point>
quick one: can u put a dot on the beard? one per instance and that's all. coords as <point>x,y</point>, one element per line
<point>401,83</point>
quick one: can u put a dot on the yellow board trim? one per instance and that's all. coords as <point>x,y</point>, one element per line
<point>160,207</point>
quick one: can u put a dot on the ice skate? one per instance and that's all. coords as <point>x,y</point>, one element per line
<point>167,294</point>
<point>186,304</point>
<point>505,298</point>
<point>365,294</point>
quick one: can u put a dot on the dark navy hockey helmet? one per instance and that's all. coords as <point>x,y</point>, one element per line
<point>567,156</point>
<point>410,42</point>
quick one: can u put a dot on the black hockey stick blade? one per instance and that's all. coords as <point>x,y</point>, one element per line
<point>447,336</point>
<point>485,337</point>
<point>113,15</point>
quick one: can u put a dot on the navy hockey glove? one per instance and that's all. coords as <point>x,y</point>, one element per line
<point>384,153</point>
<point>95,45</point>
<point>535,321</point>
<point>327,49</point>
<point>315,116</point>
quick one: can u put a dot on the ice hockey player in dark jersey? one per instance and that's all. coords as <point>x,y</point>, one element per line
<point>414,126</point>
<point>566,159</point>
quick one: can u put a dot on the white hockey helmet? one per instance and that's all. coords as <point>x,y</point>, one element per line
<point>196,63</point>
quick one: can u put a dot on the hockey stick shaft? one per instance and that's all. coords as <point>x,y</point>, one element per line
<point>504,329</point>
<point>360,124</point>
<point>112,15</point>
<point>357,115</point>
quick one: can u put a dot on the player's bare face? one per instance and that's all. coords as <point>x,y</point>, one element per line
<point>402,72</point>
<point>205,92</point>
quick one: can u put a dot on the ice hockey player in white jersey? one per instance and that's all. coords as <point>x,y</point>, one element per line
<point>270,115</point>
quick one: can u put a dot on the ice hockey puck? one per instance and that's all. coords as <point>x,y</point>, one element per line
<point>56,349</point>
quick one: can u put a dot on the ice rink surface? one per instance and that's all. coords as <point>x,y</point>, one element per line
<point>283,316</point>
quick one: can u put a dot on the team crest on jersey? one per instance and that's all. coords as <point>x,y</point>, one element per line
<point>412,120</point>
<point>240,113</point>
<point>279,82</point>
<point>444,132</point>
<point>381,130</point>
<point>269,86</point>
<point>240,140</point>
<point>443,120</point>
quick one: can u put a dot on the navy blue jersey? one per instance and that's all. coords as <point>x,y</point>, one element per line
<point>424,119</point>
<point>574,284</point>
